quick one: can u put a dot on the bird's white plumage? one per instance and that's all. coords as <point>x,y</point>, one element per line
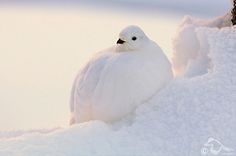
<point>117,80</point>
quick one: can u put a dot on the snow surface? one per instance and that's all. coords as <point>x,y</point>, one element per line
<point>190,55</point>
<point>177,121</point>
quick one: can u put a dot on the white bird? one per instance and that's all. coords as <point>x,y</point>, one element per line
<point>113,83</point>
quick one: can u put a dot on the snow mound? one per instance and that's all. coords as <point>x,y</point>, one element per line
<point>18,133</point>
<point>177,121</point>
<point>191,50</point>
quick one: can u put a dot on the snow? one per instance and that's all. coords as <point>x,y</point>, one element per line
<point>191,50</point>
<point>17,133</point>
<point>176,121</point>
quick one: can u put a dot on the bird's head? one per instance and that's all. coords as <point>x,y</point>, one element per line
<point>131,38</point>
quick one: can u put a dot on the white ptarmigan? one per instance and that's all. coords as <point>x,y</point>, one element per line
<point>114,82</point>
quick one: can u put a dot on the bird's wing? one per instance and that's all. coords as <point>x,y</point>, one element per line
<point>125,81</point>
<point>86,80</point>
<point>129,79</point>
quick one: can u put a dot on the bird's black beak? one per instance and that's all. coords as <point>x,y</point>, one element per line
<point>120,41</point>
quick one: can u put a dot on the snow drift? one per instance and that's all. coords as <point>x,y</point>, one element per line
<point>190,55</point>
<point>178,121</point>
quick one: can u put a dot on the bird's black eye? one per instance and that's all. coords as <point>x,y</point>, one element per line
<point>134,38</point>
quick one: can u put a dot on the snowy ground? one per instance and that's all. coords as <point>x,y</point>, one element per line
<point>177,121</point>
